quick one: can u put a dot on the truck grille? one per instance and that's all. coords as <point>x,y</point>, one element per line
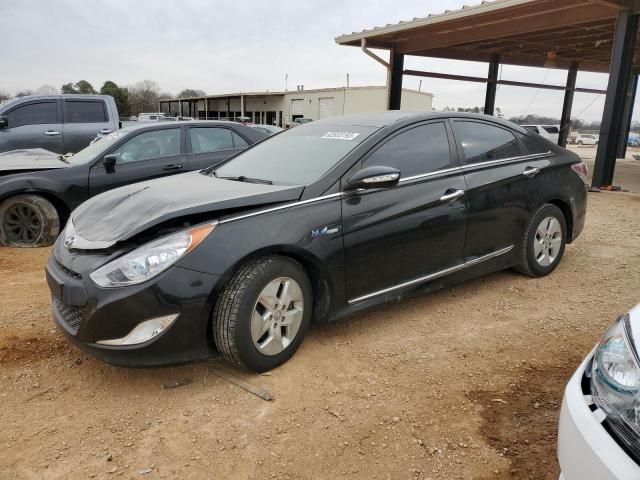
<point>71,315</point>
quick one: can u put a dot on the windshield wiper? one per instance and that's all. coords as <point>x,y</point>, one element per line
<point>245,179</point>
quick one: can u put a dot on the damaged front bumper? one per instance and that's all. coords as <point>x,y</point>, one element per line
<point>101,320</point>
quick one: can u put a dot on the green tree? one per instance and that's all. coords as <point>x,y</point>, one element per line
<point>120,95</point>
<point>84,87</point>
<point>67,88</point>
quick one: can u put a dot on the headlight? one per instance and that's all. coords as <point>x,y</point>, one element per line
<point>151,259</point>
<point>615,378</point>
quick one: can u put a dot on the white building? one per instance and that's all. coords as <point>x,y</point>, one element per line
<point>281,108</point>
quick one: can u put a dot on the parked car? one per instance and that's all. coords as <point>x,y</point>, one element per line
<point>58,123</point>
<point>314,224</point>
<point>268,129</point>
<point>38,189</point>
<point>587,139</point>
<point>152,117</point>
<point>550,132</point>
<point>599,431</point>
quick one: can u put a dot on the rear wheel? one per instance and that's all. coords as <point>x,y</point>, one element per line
<point>262,313</point>
<point>544,242</point>
<point>28,221</point>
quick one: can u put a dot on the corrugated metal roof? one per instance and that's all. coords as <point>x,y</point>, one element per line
<point>484,7</point>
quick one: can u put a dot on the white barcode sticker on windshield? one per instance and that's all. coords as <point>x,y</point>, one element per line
<point>340,135</point>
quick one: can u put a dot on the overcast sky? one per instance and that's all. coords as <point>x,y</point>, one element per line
<point>242,45</point>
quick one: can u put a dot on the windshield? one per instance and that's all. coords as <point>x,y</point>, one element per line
<point>96,149</point>
<point>298,156</point>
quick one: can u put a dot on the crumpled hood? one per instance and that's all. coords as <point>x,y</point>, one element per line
<point>30,159</point>
<point>121,213</point>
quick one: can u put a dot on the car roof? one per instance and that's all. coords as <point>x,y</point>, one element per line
<point>383,119</point>
<point>194,123</point>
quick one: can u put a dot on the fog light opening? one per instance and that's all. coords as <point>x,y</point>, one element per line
<point>143,332</point>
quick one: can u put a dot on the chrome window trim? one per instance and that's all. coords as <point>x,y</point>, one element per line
<point>435,173</point>
<point>433,276</point>
<point>520,158</point>
<point>280,207</point>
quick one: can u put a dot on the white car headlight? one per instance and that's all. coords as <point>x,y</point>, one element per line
<point>615,380</point>
<point>151,259</point>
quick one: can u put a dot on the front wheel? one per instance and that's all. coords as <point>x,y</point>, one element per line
<point>263,313</point>
<point>28,221</point>
<point>543,244</point>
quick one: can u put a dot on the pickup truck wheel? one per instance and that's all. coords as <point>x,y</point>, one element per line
<point>28,221</point>
<point>263,312</point>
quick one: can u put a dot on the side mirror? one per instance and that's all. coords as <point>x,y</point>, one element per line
<point>109,162</point>
<point>374,177</point>
<point>4,122</point>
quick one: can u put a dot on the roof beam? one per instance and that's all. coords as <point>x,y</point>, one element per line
<point>505,26</point>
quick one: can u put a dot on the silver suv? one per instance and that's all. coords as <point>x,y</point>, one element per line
<point>58,123</point>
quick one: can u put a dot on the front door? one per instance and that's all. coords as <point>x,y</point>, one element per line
<point>146,156</point>
<point>396,237</point>
<point>34,124</point>
<point>504,179</point>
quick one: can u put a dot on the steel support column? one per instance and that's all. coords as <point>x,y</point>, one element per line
<point>492,85</point>
<point>623,138</point>
<point>624,41</point>
<point>565,120</point>
<point>396,69</point>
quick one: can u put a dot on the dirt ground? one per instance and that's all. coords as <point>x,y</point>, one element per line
<point>465,383</point>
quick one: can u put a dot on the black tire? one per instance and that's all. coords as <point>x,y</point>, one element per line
<point>234,308</point>
<point>580,143</point>
<point>28,221</point>
<point>529,264</point>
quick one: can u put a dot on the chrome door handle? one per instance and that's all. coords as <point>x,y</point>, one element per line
<point>51,133</point>
<point>531,172</point>
<point>449,197</point>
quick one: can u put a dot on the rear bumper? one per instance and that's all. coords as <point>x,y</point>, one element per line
<point>579,212</point>
<point>585,448</point>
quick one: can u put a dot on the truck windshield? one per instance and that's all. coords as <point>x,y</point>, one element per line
<point>298,156</point>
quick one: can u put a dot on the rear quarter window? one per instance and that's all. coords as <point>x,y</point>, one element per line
<point>532,145</point>
<point>482,142</point>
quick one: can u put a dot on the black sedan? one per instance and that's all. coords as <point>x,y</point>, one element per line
<point>39,189</point>
<point>317,223</point>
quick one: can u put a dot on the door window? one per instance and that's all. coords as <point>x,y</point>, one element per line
<point>84,111</point>
<point>422,149</point>
<point>484,143</point>
<point>33,114</point>
<point>532,145</point>
<point>214,139</point>
<point>148,145</point>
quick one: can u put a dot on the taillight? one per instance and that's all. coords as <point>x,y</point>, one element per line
<point>581,170</point>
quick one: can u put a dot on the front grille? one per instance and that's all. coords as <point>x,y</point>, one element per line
<point>70,273</point>
<point>71,315</point>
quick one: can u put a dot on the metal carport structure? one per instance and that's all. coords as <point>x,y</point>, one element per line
<point>586,35</point>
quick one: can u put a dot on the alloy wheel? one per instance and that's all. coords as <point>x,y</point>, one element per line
<point>548,241</point>
<point>277,316</point>
<point>22,224</point>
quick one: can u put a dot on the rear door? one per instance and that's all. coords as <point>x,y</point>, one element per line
<point>394,237</point>
<point>504,181</point>
<point>209,145</point>
<point>83,120</point>
<point>33,124</point>
<point>147,155</point>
